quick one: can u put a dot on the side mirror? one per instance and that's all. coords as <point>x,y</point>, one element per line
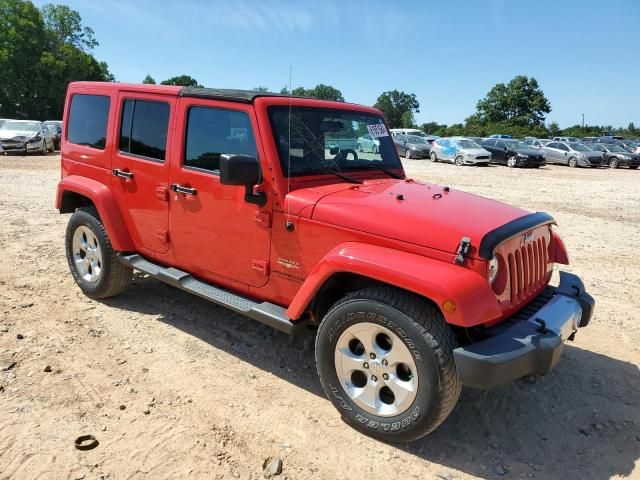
<point>242,170</point>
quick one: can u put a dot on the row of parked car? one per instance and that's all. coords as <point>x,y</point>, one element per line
<point>29,136</point>
<point>594,152</point>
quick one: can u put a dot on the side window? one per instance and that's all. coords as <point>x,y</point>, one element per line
<point>88,118</point>
<point>214,131</point>
<point>143,130</point>
<point>501,144</point>
<point>563,147</point>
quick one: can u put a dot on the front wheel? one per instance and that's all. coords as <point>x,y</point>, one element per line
<point>573,163</point>
<point>512,162</point>
<point>93,263</point>
<point>385,360</point>
<point>459,161</point>
<point>407,154</point>
<point>613,162</point>
<point>434,157</point>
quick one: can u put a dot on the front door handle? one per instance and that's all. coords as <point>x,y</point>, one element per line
<point>175,187</point>
<point>122,174</point>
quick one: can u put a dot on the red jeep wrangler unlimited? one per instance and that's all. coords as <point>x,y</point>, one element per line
<point>262,203</point>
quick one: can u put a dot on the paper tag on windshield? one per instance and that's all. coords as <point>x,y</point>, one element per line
<point>377,130</point>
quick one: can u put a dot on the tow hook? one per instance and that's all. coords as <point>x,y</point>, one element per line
<point>543,325</point>
<point>463,248</point>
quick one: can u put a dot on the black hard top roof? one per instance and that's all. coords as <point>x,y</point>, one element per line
<point>241,96</point>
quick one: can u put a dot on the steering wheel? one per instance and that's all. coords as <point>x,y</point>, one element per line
<point>344,153</point>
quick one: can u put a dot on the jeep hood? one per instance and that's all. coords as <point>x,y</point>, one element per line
<point>406,210</point>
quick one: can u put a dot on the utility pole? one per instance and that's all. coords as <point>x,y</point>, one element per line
<point>583,120</point>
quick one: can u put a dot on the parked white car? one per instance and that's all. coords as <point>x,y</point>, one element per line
<point>25,136</point>
<point>460,151</point>
<point>368,144</point>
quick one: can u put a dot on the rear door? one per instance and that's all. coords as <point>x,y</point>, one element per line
<point>213,229</point>
<point>141,168</point>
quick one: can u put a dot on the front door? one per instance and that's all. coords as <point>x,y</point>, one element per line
<point>212,228</point>
<point>140,167</point>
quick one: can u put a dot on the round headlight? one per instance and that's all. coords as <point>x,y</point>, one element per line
<point>493,269</point>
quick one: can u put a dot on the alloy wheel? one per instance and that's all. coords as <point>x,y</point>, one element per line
<point>87,254</point>
<point>376,369</point>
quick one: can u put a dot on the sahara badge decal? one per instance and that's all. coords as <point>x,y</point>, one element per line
<point>285,262</point>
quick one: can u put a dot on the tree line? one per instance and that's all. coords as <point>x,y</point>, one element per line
<point>42,50</point>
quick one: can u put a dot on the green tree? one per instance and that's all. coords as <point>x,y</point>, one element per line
<point>41,51</point>
<point>182,80</point>
<point>520,102</point>
<point>554,129</point>
<point>66,27</point>
<point>398,108</point>
<point>260,89</point>
<point>149,80</point>
<point>320,91</point>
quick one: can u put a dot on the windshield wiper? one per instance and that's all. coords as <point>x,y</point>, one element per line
<point>343,176</point>
<point>387,171</point>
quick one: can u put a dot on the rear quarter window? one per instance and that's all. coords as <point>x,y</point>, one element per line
<point>88,119</point>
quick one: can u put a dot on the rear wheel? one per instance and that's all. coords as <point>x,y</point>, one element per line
<point>93,263</point>
<point>634,167</point>
<point>385,360</point>
<point>433,156</point>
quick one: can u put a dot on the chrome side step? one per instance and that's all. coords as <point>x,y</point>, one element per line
<point>264,312</point>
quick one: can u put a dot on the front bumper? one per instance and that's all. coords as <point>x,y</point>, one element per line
<point>532,341</point>
<point>531,162</point>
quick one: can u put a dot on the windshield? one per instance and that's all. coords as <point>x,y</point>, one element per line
<point>519,146</point>
<point>22,126</point>
<point>417,140</point>
<point>579,147</point>
<point>467,144</point>
<point>615,148</point>
<point>318,140</point>
<point>415,133</point>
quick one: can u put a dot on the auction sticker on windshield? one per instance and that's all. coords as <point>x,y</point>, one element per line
<point>377,130</point>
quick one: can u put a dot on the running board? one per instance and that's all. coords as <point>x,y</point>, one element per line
<point>264,312</point>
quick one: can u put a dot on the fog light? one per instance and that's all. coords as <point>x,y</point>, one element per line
<point>449,306</point>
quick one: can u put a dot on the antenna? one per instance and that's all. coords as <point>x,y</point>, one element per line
<point>289,223</point>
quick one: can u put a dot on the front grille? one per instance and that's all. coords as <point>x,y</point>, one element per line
<point>482,157</point>
<point>595,159</point>
<point>527,269</point>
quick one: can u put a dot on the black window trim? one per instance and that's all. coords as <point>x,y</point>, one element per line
<point>135,156</point>
<point>106,133</point>
<point>216,172</point>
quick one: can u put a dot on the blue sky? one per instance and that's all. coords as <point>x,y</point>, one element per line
<point>585,54</point>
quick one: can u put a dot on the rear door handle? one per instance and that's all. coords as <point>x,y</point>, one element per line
<point>122,174</point>
<point>176,187</point>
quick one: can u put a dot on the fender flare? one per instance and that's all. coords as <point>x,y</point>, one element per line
<point>476,303</point>
<point>105,202</point>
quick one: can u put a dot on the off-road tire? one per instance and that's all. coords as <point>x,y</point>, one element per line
<point>114,276</point>
<point>421,327</point>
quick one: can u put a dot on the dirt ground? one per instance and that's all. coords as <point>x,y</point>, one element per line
<point>175,387</point>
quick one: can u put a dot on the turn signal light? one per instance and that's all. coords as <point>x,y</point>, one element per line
<point>449,306</point>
